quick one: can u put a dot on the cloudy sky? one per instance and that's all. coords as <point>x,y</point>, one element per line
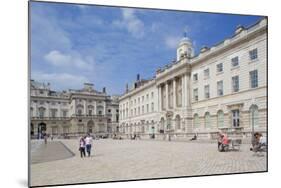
<point>109,46</point>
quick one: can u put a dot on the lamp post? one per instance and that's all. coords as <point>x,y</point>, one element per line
<point>253,127</point>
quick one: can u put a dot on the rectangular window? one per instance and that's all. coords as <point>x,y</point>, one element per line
<point>206,73</point>
<point>53,113</point>
<point>152,107</point>
<point>152,94</point>
<point>142,109</point>
<point>220,88</point>
<point>195,77</point>
<point>235,61</point>
<point>207,91</point>
<point>142,99</point>
<point>254,79</point>
<point>235,84</point>
<point>147,108</point>
<point>235,118</point>
<point>147,96</point>
<point>195,94</point>
<point>219,67</point>
<point>253,54</point>
<point>90,112</point>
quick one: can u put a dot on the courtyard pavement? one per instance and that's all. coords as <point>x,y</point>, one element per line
<point>114,160</point>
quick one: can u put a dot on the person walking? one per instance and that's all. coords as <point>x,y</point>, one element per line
<point>88,141</point>
<point>82,145</point>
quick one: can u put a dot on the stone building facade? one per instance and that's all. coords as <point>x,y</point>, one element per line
<point>221,88</point>
<point>73,112</point>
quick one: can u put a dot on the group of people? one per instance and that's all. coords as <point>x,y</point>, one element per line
<point>85,145</point>
<point>259,142</point>
<point>223,141</point>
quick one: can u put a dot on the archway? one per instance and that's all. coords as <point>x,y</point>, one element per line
<point>90,126</point>
<point>31,129</point>
<point>178,122</point>
<point>42,128</point>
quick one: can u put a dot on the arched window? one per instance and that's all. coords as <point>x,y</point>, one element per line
<point>41,112</point>
<point>207,120</point>
<point>79,112</point>
<point>254,116</point>
<point>220,118</point>
<point>196,121</point>
<point>178,122</point>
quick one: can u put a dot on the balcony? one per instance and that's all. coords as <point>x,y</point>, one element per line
<point>50,118</point>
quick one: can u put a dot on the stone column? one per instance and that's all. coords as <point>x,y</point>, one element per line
<point>188,94</point>
<point>160,98</point>
<point>85,109</point>
<point>167,95</point>
<point>184,90</point>
<point>174,94</point>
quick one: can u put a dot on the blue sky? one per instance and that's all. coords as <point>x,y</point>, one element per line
<point>108,46</point>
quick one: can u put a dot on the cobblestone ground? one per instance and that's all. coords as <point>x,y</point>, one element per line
<point>140,159</point>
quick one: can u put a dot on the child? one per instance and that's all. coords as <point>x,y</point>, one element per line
<point>82,147</point>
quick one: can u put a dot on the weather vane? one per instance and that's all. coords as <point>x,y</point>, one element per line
<point>185,31</point>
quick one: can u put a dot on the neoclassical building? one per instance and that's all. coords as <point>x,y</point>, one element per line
<point>72,112</point>
<point>223,87</point>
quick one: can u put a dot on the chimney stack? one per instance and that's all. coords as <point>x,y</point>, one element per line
<point>138,77</point>
<point>127,88</point>
<point>104,89</point>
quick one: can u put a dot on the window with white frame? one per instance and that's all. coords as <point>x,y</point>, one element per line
<point>207,120</point>
<point>207,73</point>
<point>147,108</point>
<point>152,107</point>
<point>195,77</point>
<point>196,120</point>
<point>235,61</point>
<point>207,91</point>
<point>253,54</point>
<point>254,79</point>
<point>235,118</point>
<point>195,94</point>
<point>64,113</point>
<point>220,118</point>
<point>142,109</point>
<point>219,67</point>
<point>254,116</point>
<point>235,83</point>
<point>152,95</point>
<point>220,88</point>
<point>53,113</point>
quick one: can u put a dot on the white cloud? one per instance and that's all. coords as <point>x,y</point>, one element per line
<point>131,22</point>
<point>60,80</point>
<point>172,41</point>
<point>59,59</point>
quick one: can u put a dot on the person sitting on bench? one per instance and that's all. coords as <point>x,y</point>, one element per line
<point>194,137</point>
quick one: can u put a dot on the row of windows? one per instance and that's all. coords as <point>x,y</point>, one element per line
<point>137,111</point>
<point>253,79</point>
<point>253,55</point>
<point>52,102</point>
<point>134,102</point>
<point>235,118</point>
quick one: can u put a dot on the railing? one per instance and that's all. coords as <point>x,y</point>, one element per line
<point>50,118</point>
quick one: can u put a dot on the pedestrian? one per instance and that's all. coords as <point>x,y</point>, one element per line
<point>88,141</point>
<point>82,145</point>
<point>45,138</point>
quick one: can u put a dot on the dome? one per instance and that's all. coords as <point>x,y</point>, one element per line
<point>185,40</point>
